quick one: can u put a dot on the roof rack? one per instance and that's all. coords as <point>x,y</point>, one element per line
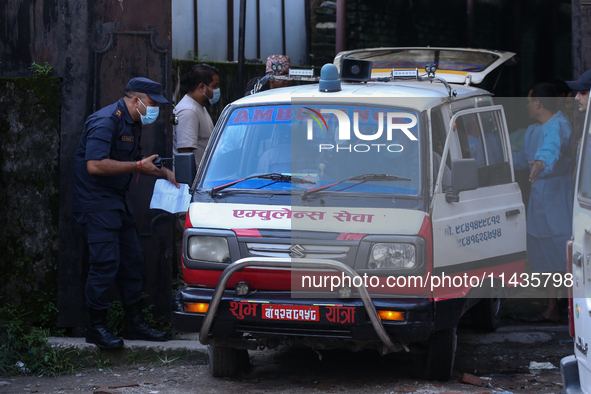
<point>406,75</point>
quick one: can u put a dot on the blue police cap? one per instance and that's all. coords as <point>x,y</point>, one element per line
<point>150,88</point>
<point>584,83</point>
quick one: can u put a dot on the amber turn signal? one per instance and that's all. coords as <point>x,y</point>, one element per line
<point>391,315</point>
<point>193,307</point>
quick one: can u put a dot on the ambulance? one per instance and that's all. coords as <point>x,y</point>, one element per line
<point>370,210</point>
<point>576,369</point>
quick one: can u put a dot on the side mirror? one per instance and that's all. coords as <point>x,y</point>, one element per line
<point>185,168</point>
<point>464,176</point>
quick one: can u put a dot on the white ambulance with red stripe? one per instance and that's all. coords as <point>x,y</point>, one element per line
<point>576,369</point>
<point>370,210</point>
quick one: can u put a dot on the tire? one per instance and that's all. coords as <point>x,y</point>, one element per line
<point>485,315</point>
<point>441,352</point>
<point>223,361</point>
<point>243,360</point>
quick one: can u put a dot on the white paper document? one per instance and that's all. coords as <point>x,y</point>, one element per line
<point>168,198</point>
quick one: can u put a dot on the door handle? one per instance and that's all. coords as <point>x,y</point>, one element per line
<point>512,212</point>
<point>577,259</point>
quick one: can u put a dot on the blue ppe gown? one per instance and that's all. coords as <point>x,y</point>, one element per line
<point>550,208</point>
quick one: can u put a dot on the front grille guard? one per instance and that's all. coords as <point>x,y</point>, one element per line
<point>298,264</point>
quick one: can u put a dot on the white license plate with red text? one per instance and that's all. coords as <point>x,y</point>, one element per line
<point>291,312</point>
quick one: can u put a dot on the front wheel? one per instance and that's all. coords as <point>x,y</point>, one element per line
<point>486,314</point>
<point>223,361</point>
<point>441,352</point>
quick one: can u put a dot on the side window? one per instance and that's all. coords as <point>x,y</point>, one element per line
<point>480,136</point>
<point>470,135</point>
<point>438,138</point>
<point>492,138</point>
<point>438,131</point>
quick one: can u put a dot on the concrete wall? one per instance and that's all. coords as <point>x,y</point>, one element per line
<point>29,189</point>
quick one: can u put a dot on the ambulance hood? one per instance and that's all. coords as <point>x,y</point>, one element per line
<point>322,219</point>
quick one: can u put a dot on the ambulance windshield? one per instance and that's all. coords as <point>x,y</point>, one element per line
<point>322,144</point>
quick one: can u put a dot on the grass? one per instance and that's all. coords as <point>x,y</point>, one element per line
<point>24,349</point>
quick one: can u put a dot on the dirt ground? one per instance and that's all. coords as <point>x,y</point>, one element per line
<point>501,359</point>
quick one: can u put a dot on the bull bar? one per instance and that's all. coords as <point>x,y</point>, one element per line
<point>298,264</point>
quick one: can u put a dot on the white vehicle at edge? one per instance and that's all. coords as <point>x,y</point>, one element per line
<point>345,177</point>
<point>576,369</point>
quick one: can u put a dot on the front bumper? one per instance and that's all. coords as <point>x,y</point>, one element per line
<point>226,321</point>
<point>417,326</point>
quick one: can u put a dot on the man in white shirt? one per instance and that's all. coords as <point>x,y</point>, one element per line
<point>194,128</point>
<point>194,123</point>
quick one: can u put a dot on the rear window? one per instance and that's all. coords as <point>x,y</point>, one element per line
<point>417,58</point>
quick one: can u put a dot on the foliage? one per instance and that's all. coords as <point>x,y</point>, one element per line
<point>24,349</point>
<point>116,318</point>
<point>199,57</point>
<point>102,363</point>
<point>41,70</point>
<point>48,314</point>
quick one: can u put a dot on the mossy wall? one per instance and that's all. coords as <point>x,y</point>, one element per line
<point>30,113</point>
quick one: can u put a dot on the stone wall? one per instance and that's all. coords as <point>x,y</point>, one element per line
<point>29,189</point>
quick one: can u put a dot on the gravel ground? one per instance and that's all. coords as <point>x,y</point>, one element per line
<point>501,359</point>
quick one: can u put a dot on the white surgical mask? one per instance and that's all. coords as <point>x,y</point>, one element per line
<point>151,113</point>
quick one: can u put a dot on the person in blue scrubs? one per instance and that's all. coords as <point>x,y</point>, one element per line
<point>546,152</point>
<point>108,156</point>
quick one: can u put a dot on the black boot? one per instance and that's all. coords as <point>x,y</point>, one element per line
<point>98,332</point>
<point>137,328</point>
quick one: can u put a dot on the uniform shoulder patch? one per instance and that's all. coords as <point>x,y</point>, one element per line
<point>116,115</point>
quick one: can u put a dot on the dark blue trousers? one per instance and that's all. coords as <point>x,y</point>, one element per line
<point>115,256</point>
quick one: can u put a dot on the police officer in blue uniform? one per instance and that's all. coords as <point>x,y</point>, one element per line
<point>108,157</point>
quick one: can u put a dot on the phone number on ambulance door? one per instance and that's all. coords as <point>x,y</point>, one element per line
<point>480,237</point>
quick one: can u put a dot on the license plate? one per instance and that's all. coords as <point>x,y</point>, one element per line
<point>291,312</point>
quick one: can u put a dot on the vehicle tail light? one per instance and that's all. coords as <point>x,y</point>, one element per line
<point>569,269</point>
<point>196,307</point>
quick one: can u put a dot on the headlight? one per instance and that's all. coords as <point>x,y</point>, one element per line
<point>214,249</point>
<point>392,255</point>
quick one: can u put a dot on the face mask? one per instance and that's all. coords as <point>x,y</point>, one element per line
<point>216,95</point>
<point>151,114</point>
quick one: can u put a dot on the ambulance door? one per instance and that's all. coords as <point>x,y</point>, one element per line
<point>486,228</point>
<point>581,259</point>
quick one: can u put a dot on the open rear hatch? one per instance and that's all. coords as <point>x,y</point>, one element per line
<point>458,65</point>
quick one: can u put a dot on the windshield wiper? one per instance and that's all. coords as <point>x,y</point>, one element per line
<point>274,176</point>
<point>361,178</point>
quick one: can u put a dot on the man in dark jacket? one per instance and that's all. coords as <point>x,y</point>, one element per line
<point>108,155</point>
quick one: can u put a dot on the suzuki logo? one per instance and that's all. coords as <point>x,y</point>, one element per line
<point>297,251</point>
